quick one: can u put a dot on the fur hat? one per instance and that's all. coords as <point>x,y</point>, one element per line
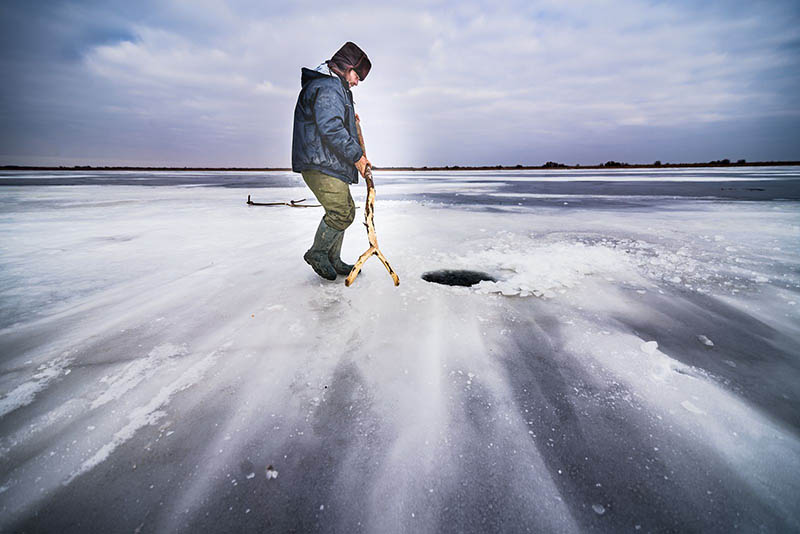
<point>350,56</point>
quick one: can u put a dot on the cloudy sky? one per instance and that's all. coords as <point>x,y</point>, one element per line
<point>206,83</point>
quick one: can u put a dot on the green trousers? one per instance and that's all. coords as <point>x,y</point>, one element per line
<point>334,195</point>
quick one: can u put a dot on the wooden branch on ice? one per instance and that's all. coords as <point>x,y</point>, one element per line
<point>369,213</point>
<point>291,203</point>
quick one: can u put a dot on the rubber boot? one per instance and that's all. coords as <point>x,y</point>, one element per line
<point>317,255</point>
<point>334,255</point>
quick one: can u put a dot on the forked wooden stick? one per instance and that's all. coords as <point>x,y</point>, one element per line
<point>369,213</point>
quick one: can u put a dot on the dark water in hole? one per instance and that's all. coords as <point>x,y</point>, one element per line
<point>456,277</point>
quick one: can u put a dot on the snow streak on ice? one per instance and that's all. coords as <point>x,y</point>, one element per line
<point>166,354</point>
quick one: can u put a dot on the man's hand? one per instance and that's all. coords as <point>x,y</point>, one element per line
<point>361,165</point>
<point>357,119</point>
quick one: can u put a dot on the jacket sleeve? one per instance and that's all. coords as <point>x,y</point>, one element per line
<point>329,117</point>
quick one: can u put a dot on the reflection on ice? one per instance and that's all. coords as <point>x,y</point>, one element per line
<point>166,354</point>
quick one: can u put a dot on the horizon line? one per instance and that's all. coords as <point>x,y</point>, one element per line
<point>547,166</point>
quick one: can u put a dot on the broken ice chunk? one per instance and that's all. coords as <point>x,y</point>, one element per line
<point>599,509</point>
<point>649,347</point>
<point>271,472</point>
<point>705,341</point>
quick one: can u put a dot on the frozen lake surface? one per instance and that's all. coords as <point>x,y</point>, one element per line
<point>168,362</point>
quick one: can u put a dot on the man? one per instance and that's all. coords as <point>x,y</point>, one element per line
<point>325,149</point>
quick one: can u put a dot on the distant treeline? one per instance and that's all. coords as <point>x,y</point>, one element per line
<point>606,165</point>
<point>548,165</point>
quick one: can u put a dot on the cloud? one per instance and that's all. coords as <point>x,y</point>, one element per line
<point>214,83</point>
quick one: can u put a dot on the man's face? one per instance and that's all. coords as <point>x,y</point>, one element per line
<point>352,77</point>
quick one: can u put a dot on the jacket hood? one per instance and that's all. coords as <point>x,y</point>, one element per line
<point>306,75</point>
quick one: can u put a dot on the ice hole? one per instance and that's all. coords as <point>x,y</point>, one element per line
<point>450,277</point>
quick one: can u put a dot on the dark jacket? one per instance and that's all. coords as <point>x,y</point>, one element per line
<point>325,137</point>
